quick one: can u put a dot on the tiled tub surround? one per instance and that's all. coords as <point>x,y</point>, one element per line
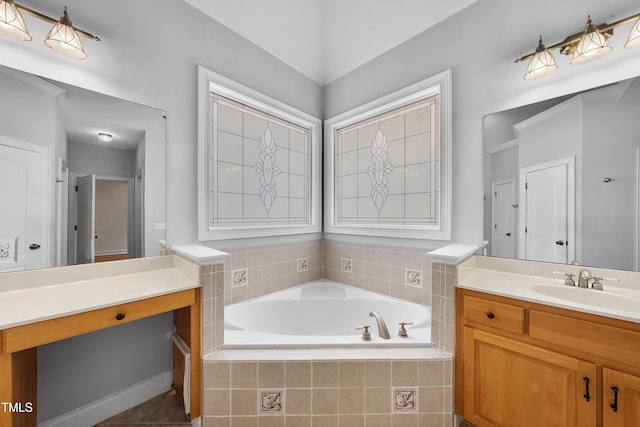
<point>315,388</point>
<point>389,270</point>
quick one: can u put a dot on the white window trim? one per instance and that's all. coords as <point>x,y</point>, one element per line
<point>440,83</point>
<point>210,81</point>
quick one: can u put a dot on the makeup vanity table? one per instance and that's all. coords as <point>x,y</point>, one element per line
<point>42,306</point>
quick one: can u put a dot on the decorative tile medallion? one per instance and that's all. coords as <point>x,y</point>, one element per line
<point>267,169</point>
<point>379,170</point>
<point>240,277</point>
<point>271,401</point>
<point>412,277</point>
<point>346,265</point>
<point>405,400</point>
<point>302,264</point>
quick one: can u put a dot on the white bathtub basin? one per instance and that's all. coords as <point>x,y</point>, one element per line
<point>323,314</point>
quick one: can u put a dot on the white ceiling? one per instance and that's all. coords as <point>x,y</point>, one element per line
<point>325,39</point>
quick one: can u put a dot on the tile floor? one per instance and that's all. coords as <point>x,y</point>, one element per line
<point>163,410</point>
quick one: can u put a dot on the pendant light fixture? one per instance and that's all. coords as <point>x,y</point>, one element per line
<point>11,21</point>
<point>541,64</point>
<point>63,38</point>
<point>634,36</point>
<point>590,44</point>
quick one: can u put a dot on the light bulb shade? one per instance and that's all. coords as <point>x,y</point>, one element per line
<point>11,21</point>
<point>634,36</point>
<point>64,39</point>
<point>541,64</point>
<point>592,45</point>
<point>105,137</point>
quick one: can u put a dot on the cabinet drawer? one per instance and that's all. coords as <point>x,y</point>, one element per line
<point>35,334</point>
<point>609,342</point>
<point>495,314</point>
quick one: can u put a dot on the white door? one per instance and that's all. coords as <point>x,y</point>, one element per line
<point>24,205</point>
<point>503,213</point>
<point>85,219</point>
<point>548,212</point>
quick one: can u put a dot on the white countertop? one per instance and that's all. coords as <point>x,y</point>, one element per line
<point>33,296</point>
<point>478,274</point>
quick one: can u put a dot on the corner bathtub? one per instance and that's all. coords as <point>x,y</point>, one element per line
<point>323,313</point>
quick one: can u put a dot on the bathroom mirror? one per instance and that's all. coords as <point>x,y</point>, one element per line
<point>562,179</point>
<point>83,175</point>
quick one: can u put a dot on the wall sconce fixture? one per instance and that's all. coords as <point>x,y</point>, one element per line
<point>63,37</point>
<point>586,46</point>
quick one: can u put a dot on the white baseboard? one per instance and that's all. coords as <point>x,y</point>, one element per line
<point>108,406</point>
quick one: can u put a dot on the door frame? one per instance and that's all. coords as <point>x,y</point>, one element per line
<point>62,212</point>
<point>73,204</point>
<point>46,224</point>
<point>573,250</point>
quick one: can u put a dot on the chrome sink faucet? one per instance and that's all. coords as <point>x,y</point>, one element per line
<point>382,327</point>
<point>583,278</point>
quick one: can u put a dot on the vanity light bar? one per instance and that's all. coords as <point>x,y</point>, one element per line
<point>63,37</point>
<point>586,46</point>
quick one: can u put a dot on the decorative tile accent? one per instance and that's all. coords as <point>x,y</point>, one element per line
<point>346,265</point>
<point>267,169</point>
<point>380,169</point>
<point>302,264</point>
<point>412,277</point>
<point>240,277</point>
<point>271,401</point>
<point>405,400</point>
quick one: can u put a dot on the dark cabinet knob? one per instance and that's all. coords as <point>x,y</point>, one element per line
<point>490,315</point>
<point>119,316</point>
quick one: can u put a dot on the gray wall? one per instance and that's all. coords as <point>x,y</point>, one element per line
<point>88,159</point>
<point>611,141</point>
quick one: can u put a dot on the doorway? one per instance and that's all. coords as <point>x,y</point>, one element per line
<point>105,219</point>
<point>503,221</point>
<point>24,206</point>
<point>547,215</point>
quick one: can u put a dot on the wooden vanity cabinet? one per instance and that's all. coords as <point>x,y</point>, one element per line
<point>529,365</point>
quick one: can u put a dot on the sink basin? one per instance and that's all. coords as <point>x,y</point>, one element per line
<point>601,299</point>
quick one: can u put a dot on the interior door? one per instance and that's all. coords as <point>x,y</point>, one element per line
<point>548,212</point>
<point>503,212</point>
<point>85,219</point>
<point>24,206</point>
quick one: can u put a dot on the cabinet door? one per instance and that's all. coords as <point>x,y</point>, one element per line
<point>621,407</point>
<point>511,384</point>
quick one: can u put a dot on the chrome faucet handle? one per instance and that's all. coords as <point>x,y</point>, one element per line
<point>596,284</point>
<point>366,335</point>
<point>402,333</point>
<point>569,279</point>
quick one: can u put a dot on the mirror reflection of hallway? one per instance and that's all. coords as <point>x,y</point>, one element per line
<point>111,220</point>
<point>108,219</point>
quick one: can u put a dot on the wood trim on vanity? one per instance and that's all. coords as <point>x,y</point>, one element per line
<point>39,333</point>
